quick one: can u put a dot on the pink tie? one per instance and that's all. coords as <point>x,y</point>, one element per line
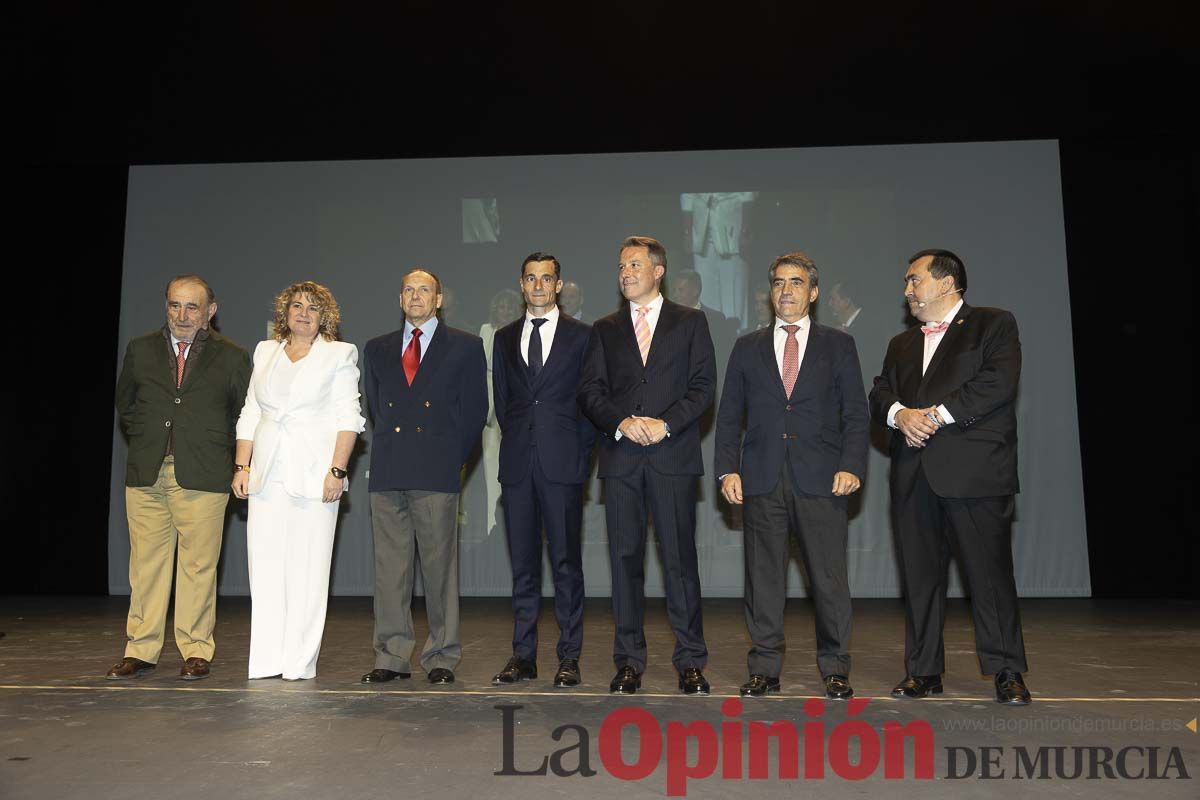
<point>791,359</point>
<point>934,330</point>
<point>180,360</point>
<point>642,329</point>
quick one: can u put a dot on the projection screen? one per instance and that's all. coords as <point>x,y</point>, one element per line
<point>357,226</point>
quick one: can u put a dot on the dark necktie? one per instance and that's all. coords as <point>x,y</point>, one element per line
<point>412,356</point>
<point>535,347</point>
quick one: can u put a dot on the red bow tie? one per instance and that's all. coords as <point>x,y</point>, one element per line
<point>933,330</point>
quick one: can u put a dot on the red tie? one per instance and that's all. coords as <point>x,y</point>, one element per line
<point>934,330</point>
<point>180,360</point>
<point>412,356</point>
<point>791,359</point>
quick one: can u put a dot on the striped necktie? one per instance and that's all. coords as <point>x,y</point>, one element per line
<point>642,329</point>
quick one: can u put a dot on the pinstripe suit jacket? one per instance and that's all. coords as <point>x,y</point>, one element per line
<point>677,385</point>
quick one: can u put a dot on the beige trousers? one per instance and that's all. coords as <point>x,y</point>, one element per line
<point>168,523</point>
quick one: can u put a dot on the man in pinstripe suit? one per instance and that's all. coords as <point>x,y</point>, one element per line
<point>649,376</point>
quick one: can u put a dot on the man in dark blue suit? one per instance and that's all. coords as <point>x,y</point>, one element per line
<point>798,387</point>
<point>544,452</point>
<point>650,376</point>
<point>426,389</point>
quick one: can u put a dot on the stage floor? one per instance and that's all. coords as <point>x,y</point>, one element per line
<point>1117,675</point>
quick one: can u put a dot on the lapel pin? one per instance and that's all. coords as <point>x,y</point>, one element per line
<point>960,322</point>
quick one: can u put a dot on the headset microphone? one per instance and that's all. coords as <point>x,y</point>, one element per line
<point>939,297</point>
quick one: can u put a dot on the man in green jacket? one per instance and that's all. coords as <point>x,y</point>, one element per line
<point>179,395</point>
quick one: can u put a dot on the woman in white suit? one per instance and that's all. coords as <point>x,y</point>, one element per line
<point>294,438</point>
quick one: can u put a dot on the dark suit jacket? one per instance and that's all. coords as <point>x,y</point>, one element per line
<point>974,373</point>
<point>676,385</point>
<point>827,413</point>
<point>542,412</point>
<point>423,434</point>
<point>199,416</point>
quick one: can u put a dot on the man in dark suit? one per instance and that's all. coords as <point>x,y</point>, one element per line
<point>798,388</point>
<point>650,375</point>
<point>426,388</point>
<point>545,446</point>
<point>948,392</point>
<point>178,398</point>
<point>686,288</point>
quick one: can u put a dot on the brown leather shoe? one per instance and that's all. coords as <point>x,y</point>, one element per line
<point>194,669</point>
<point>129,667</point>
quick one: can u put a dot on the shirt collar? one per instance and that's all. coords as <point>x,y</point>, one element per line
<point>427,328</point>
<point>654,305</point>
<point>802,322</point>
<point>953,312</point>
<point>550,316</point>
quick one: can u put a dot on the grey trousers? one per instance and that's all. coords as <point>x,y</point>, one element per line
<point>411,524</point>
<point>821,525</point>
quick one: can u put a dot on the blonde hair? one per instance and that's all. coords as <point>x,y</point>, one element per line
<point>331,315</point>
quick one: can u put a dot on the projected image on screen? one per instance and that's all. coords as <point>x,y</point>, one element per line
<point>857,212</point>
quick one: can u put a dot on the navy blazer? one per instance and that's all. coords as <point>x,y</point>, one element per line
<point>542,412</point>
<point>677,385</point>
<point>423,434</point>
<point>825,419</point>
<point>974,374</point>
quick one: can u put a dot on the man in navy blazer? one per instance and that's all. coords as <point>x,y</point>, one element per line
<point>426,388</point>
<point>650,376</point>
<point>545,448</point>
<point>948,395</point>
<point>798,387</point>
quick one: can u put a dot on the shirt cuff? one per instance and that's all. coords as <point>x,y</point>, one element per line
<point>618,436</point>
<point>892,412</point>
<point>944,413</point>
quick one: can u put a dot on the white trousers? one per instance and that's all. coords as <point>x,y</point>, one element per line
<point>723,281</point>
<point>290,544</point>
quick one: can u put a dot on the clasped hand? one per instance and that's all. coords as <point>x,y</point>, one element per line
<point>916,425</point>
<point>643,430</point>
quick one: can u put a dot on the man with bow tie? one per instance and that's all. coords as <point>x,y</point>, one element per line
<point>948,393</point>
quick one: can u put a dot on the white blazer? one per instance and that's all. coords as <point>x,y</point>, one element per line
<point>323,400</point>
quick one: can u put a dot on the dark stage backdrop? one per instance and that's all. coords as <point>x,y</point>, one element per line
<point>356,226</point>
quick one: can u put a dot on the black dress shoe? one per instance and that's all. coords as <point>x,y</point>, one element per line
<point>759,685</point>
<point>383,675</point>
<point>691,681</point>
<point>1010,689</point>
<point>568,673</point>
<point>626,681</point>
<point>837,687</point>
<point>441,676</point>
<point>517,669</point>
<point>129,667</point>
<point>914,686</point>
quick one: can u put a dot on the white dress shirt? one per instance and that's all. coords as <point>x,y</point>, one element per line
<point>781,340</point>
<point>931,346</point>
<point>175,347</point>
<point>655,306</point>
<point>546,332</point>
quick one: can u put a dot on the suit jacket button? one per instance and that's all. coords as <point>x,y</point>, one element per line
<point>177,401</point>
<point>428,404</point>
<point>787,407</point>
<point>637,408</point>
<point>168,423</point>
<point>397,429</point>
<point>643,380</point>
<point>418,429</point>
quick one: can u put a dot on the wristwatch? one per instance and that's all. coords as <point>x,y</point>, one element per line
<point>241,467</point>
<point>338,472</point>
